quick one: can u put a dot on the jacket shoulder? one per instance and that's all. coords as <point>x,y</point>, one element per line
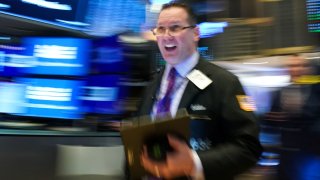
<point>215,71</point>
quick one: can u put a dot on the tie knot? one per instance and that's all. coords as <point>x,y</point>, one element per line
<point>172,74</point>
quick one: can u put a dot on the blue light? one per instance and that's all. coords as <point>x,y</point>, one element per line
<point>4,6</point>
<point>5,38</point>
<point>50,5</point>
<point>159,1</point>
<point>310,168</point>
<point>209,29</point>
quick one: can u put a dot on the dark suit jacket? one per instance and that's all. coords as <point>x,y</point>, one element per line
<point>306,123</point>
<point>227,144</point>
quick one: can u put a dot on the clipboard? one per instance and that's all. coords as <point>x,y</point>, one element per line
<point>134,136</point>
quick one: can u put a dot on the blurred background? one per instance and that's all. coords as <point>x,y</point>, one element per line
<point>72,72</point>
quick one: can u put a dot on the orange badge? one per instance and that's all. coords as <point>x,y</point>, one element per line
<point>246,103</point>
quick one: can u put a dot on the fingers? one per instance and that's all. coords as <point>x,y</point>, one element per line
<point>148,164</point>
<point>175,143</point>
<point>158,169</point>
<point>157,173</point>
<point>176,162</point>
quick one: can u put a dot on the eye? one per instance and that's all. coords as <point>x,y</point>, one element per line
<point>161,29</point>
<point>175,28</point>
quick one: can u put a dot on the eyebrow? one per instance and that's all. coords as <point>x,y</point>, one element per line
<point>171,23</point>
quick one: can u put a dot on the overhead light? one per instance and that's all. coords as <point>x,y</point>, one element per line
<point>4,6</point>
<point>49,5</point>
<point>160,1</point>
<point>208,29</point>
<point>75,23</point>
<point>7,38</point>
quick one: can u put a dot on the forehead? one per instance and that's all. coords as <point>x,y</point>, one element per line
<point>293,61</point>
<point>173,15</point>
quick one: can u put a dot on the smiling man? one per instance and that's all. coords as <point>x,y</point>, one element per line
<point>224,138</point>
<point>176,45</point>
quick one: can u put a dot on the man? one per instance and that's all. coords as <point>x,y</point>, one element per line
<point>226,141</point>
<point>296,109</point>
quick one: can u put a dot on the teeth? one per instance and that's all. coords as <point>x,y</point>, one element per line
<point>169,45</point>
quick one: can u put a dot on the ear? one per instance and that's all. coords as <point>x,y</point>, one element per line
<point>196,32</point>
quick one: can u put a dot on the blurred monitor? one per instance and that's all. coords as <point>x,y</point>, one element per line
<point>139,58</point>
<point>51,98</point>
<point>110,17</point>
<point>94,17</point>
<point>12,60</point>
<point>313,15</point>
<point>106,56</point>
<point>65,13</point>
<point>57,56</point>
<point>102,95</point>
<point>11,97</point>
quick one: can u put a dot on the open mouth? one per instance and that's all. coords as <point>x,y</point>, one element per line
<point>170,47</point>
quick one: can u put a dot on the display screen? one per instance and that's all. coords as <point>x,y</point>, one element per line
<point>110,17</point>
<point>12,60</point>
<point>102,95</point>
<point>59,12</point>
<point>106,56</point>
<point>313,15</point>
<point>62,78</point>
<point>11,97</point>
<point>94,17</point>
<point>51,98</point>
<point>57,56</point>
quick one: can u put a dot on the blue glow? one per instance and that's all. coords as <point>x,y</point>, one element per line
<point>310,168</point>
<point>159,1</point>
<point>270,154</point>
<point>57,56</point>
<point>11,97</point>
<point>49,5</point>
<point>5,38</point>
<point>101,94</point>
<point>209,29</point>
<point>75,23</point>
<point>51,98</point>
<point>4,6</point>
<point>269,162</point>
<point>43,21</point>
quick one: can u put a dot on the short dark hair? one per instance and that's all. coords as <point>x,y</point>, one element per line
<point>192,18</point>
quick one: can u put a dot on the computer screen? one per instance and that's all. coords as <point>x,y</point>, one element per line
<point>102,95</point>
<point>313,15</point>
<point>51,98</point>
<point>107,56</point>
<point>57,55</point>
<point>70,14</point>
<point>11,97</point>
<point>12,60</point>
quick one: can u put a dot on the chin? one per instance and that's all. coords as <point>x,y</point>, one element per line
<point>171,60</point>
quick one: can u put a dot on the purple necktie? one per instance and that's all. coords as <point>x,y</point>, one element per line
<point>163,105</point>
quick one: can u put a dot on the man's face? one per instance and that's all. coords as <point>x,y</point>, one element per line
<point>175,49</point>
<point>298,66</point>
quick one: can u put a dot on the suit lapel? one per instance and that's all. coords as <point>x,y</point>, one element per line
<point>189,93</point>
<point>192,90</point>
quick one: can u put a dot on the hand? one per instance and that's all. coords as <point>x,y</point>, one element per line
<point>178,163</point>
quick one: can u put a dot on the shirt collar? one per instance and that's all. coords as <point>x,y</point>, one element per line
<point>185,66</point>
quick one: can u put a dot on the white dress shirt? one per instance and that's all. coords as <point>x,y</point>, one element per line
<point>181,82</point>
